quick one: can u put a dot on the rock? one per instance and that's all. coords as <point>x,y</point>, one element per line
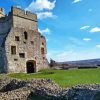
<point>22,89</point>
<point>45,89</point>
<point>12,85</point>
<point>82,92</point>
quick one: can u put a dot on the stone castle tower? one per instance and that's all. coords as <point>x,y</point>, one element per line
<point>22,47</point>
<point>1,12</point>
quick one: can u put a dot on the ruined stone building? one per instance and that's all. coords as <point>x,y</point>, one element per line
<point>22,47</point>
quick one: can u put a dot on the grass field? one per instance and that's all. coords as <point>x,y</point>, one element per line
<point>65,78</point>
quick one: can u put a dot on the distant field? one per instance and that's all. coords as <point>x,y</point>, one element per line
<point>65,78</point>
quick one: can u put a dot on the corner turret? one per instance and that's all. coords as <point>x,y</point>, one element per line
<point>1,12</point>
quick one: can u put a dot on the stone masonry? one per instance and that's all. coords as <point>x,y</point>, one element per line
<point>22,47</point>
<point>1,12</point>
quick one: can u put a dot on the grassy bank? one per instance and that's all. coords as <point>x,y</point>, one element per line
<point>65,78</point>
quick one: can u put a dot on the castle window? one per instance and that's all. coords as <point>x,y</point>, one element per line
<point>25,35</point>
<point>15,59</point>
<point>42,43</point>
<point>16,38</point>
<point>42,50</point>
<point>43,58</point>
<point>32,42</point>
<point>22,55</point>
<point>24,42</point>
<point>13,50</point>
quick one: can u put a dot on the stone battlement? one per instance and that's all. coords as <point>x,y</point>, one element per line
<point>20,13</point>
<point>18,17</point>
<point>1,12</point>
<point>23,14</point>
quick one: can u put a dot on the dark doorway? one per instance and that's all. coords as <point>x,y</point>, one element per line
<point>31,66</point>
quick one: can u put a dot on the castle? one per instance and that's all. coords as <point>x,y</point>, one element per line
<point>22,47</point>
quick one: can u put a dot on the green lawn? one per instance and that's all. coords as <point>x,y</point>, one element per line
<point>65,78</point>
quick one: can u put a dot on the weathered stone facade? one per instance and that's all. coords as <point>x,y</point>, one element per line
<point>1,12</point>
<point>22,47</point>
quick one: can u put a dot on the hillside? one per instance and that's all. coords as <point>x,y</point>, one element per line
<point>85,62</point>
<point>91,63</point>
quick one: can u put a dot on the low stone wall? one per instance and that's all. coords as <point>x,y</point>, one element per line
<point>45,89</point>
<point>14,89</point>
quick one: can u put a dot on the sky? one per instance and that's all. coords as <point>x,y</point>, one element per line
<point>71,27</point>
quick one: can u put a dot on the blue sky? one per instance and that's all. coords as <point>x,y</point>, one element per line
<point>71,27</point>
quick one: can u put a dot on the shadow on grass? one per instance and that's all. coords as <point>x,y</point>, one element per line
<point>47,73</point>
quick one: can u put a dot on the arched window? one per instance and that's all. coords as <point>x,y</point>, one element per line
<point>42,50</point>
<point>25,35</point>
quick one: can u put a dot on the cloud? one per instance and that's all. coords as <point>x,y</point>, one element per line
<point>98,46</point>
<point>47,40</point>
<point>90,10</point>
<point>19,7</point>
<point>43,8</point>
<point>84,27</point>
<point>40,5</point>
<point>61,55</point>
<point>86,39</point>
<point>72,55</point>
<point>76,1</point>
<point>45,31</point>
<point>76,41</point>
<point>94,30</point>
<point>43,15</point>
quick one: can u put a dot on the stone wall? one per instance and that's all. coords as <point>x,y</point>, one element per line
<point>3,61</point>
<point>31,47</point>
<point>5,24</point>
<point>44,60</point>
<point>1,12</point>
<point>24,19</point>
<point>1,15</point>
<point>45,89</point>
<point>14,26</point>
